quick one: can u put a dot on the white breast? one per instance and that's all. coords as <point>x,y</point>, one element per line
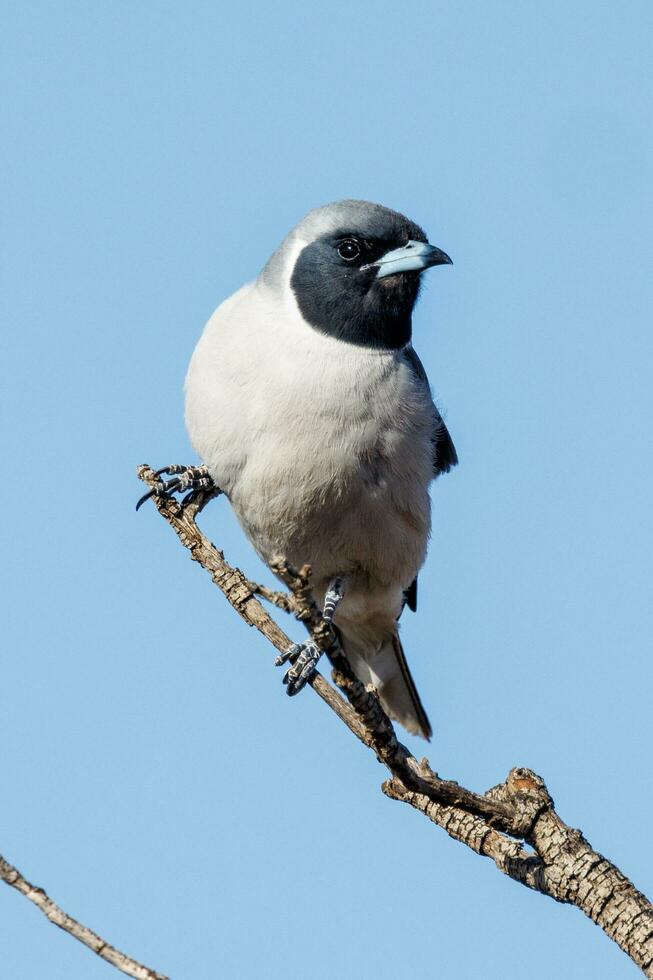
<point>323,448</point>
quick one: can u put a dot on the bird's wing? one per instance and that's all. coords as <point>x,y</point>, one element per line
<point>444,451</point>
<point>410,595</point>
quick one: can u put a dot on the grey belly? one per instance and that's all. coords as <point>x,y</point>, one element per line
<point>373,528</point>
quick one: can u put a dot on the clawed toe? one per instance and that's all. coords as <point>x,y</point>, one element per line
<point>296,677</point>
<point>195,479</point>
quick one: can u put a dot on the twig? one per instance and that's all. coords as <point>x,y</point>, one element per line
<point>66,922</point>
<point>282,600</point>
<point>499,824</point>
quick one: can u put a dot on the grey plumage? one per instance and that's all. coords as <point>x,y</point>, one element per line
<point>312,412</point>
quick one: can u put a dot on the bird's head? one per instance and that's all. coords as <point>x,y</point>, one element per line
<point>354,270</point>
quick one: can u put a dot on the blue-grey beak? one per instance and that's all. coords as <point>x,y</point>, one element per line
<point>412,257</point>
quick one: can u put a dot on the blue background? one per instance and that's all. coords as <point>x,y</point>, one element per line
<point>156,780</point>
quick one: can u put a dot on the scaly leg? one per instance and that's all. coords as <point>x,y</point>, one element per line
<point>332,599</point>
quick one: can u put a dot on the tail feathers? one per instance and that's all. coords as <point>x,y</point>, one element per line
<point>388,671</point>
<point>402,691</point>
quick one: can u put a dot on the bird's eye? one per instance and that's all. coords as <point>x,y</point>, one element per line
<point>349,250</point>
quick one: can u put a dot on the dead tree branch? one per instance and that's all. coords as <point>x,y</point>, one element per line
<point>66,922</point>
<point>515,823</point>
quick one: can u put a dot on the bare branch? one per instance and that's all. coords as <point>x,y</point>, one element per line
<point>66,922</point>
<point>514,823</point>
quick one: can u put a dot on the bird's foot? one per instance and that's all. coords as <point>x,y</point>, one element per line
<point>300,672</point>
<point>306,655</point>
<point>194,479</point>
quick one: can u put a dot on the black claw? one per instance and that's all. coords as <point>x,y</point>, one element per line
<point>189,498</point>
<point>297,684</point>
<point>146,496</point>
<point>293,687</point>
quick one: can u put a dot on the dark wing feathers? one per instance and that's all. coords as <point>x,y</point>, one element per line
<point>410,595</point>
<point>444,452</point>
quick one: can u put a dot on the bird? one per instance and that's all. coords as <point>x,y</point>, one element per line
<point>311,411</point>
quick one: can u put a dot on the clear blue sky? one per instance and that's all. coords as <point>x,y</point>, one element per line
<point>156,779</point>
